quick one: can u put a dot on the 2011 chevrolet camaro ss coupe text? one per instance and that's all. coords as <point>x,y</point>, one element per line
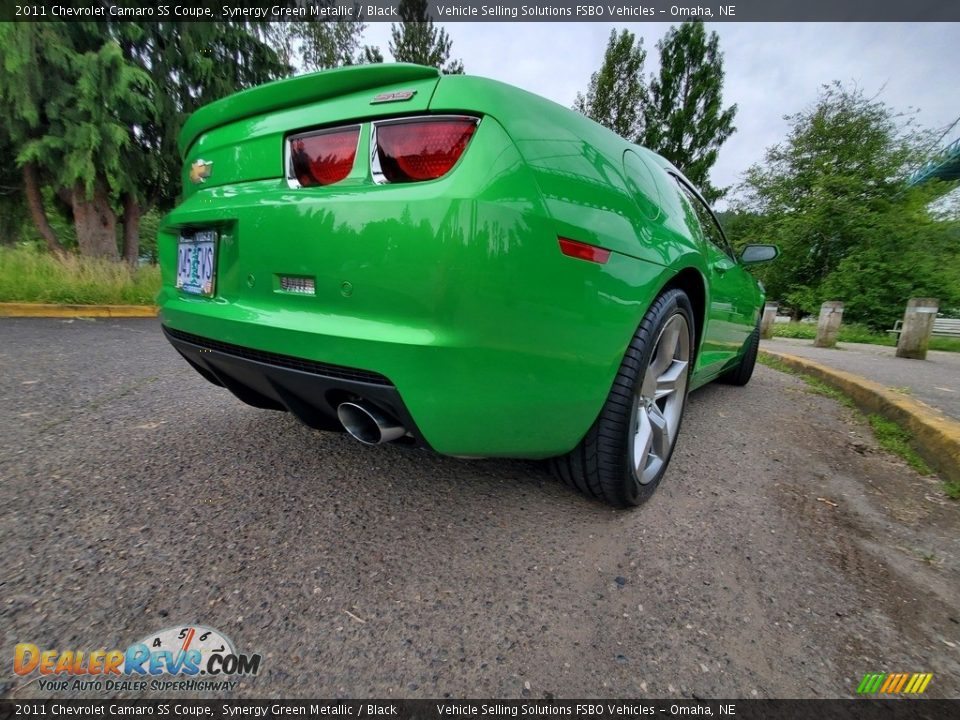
<point>454,263</point>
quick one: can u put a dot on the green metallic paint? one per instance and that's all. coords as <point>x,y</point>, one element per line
<point>497,343</point>
<point>298,91</point>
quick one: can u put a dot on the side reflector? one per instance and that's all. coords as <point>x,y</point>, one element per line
<point>582,251</point>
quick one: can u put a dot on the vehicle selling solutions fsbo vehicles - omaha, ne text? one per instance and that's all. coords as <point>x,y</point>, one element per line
<point>451,262</point>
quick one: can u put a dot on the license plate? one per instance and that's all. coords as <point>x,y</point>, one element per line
<point>196,262</point>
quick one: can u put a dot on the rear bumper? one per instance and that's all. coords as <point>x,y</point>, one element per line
<point>308,389</point>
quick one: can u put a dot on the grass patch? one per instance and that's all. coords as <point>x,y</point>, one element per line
<point>775,363</point>
<point>894,438</point>
<point>814,385</point>
<point>890,436</point>
<point>854,333</point>
<point>945,343</point>
<point>818,387</point>
<point>30,275</point>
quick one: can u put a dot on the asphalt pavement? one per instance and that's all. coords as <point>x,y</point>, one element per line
<point>935,381</point>
<point>785,555</point>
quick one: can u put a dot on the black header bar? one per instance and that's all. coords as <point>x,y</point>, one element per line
<point>618,11</point>
<point>899,709</point>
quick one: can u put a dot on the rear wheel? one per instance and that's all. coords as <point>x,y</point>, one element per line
<point>624,455</point>
<point>741,373</point>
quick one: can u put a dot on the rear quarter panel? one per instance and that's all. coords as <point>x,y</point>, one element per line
<point>579,168</point>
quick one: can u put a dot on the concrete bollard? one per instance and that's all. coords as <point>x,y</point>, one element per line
<point>768,319</point>
<point>831,313</point>
<point>917,328</point>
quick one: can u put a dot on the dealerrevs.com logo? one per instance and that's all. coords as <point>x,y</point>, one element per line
<point>187,658</point>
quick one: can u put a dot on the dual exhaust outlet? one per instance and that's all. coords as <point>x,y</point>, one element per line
<point>369,424</point>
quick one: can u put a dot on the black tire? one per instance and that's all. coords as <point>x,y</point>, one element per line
<point>601,466</point>
<point>741,373</point>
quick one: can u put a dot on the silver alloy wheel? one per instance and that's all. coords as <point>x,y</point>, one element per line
<point>658,400</point>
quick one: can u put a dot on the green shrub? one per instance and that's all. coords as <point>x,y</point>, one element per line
<point>854,333</point>
<point>31,275</point>
<point>803,331</point>
<point>862,334</point>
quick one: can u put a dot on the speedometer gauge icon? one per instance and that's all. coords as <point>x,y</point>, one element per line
<point>184,638</point>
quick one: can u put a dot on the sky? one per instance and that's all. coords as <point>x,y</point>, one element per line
<point>772,69</point>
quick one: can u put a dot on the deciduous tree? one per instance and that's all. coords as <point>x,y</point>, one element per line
<point>833,196</point>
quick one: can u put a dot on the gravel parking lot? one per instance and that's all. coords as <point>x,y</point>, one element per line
<point>784,555</point>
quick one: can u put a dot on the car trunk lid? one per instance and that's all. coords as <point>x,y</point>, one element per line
<point>240,138</point>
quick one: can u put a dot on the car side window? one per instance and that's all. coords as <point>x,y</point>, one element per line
<point>708,223</point>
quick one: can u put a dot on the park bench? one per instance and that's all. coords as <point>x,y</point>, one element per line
<point>942,327</point>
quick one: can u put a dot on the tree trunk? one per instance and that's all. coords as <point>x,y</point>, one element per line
<point>131,229</point>
<point>35,201</point>
<point>95,223</point>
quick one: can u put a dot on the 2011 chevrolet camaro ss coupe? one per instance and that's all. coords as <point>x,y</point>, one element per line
<point>454,263</point>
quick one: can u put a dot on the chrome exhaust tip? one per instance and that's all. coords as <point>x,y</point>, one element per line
<point>369,424</point>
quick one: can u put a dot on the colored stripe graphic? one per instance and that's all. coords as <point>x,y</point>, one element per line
<point>894,683</point>
<point>889,681</point>
<point>914,683</point>
<point>870,683</point>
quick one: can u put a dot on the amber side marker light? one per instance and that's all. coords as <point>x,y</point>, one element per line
<point>583,251</point>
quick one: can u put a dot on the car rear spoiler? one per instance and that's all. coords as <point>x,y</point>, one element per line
<point>298,90</point>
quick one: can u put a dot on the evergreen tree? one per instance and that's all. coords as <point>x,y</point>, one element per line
<point>617,93</point>
<point>685,120</point>
<point>371,55</point>
<point>416,40</point>
<point>318,44</point>
<point>12,207</point>
<point>69,100</point>
<point>191,65</point>
<point>93,111</point>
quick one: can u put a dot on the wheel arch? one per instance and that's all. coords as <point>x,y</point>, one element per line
<point>690,279</point>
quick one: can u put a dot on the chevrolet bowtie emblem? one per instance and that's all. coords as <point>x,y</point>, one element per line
<point>200,171</point>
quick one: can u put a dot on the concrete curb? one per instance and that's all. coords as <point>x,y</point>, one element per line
<point>935,436</point>
<point>40,310</point>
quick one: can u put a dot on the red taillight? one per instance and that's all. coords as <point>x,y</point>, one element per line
<point>417,150</point>
<point>323,158</point>
<point>583,251</point>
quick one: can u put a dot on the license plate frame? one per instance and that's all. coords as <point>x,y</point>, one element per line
<point>197,262</point>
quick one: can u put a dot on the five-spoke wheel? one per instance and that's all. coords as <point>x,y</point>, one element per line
<point>625,453</point>
<point>658,400</point>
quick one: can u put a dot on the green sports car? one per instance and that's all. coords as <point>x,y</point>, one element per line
<point>453,263</point>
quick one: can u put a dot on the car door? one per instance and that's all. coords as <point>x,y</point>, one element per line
<point>730,311</point>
